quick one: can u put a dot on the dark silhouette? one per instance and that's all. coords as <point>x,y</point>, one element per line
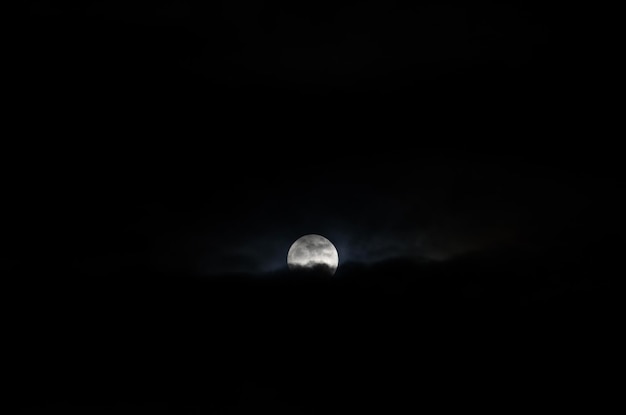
<point>317,270</point>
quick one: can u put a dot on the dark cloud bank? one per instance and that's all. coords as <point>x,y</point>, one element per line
<point>166,155</point>
<point>491,332</point>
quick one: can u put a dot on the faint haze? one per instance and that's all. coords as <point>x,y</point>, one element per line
<point>436,210</point>
<point>431,208</point>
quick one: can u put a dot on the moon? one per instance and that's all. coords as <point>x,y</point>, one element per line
<point>313,252</point>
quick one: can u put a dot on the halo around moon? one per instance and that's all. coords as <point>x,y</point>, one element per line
<point>313,252</point>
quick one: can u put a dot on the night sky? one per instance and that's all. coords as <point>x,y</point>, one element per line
<point>164,155</point>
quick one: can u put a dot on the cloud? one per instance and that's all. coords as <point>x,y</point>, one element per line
<point>430,208</point>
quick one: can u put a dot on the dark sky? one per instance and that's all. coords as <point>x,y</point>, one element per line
<point>165,154</point>
<point>205,138</point>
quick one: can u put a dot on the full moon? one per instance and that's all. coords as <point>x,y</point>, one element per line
<point>313,252</point>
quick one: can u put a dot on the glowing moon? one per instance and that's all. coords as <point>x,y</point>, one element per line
<point>313,252</point>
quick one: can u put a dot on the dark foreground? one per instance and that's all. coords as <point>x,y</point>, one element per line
<point>488,335</point>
